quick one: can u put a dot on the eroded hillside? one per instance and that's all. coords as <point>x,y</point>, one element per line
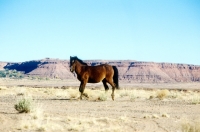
<point>130,71</point>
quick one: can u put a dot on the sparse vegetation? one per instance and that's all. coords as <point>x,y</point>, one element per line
<point>11,74</point>
<point>132,97</point>
<point>59,109</point>
<point>195,100</point>
<point>165,115</point>
<point>124,93</point>
<point>38,78</point>
<point>103,97</point>
<point>191,127</point>
<point>24,105</point>
<point>161,94</point>
<point>173,94</point>
<point>73,93</point>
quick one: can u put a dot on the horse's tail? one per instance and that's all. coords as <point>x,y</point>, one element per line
<point>115,77</point>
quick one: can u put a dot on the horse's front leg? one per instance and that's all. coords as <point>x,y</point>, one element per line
<point>82,88</point>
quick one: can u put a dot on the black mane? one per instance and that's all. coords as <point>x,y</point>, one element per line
<point>76,58</point>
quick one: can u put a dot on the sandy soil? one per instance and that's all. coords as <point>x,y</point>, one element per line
<point>134,109</point>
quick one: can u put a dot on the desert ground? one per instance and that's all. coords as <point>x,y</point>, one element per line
<point>55,106</point>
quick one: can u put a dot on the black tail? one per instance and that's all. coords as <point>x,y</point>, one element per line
<point>115,77</point>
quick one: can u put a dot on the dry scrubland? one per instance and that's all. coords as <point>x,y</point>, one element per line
<point>137,109</point>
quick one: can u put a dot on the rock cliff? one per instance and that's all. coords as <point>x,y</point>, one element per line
<point>130,71</point>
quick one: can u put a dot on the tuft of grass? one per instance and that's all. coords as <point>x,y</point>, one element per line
<point>195,100</point>
<point>73,93</point>
<point>124,93</point>
<point>102,97</point>
<point>147,116</point>
<point>23,106</point>
<point>132,97</point>
<point>161,94</point>
<point>37,113</point>
<point>151,97</point>
<point>41,129</point>
<point>165,115</point>
<point>174,94</point>
<point>3,88</point>
<point>155,116</point>
<point>61,93</point>
<point>190,127</point>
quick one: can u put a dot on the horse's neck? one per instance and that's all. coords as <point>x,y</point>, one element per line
<point>79,67</point>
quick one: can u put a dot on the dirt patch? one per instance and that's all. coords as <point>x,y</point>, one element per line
<point>140,110</point>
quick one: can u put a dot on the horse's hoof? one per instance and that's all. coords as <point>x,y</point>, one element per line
<point>113,98</point>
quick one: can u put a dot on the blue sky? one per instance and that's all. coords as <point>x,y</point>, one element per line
<point>142,30</point>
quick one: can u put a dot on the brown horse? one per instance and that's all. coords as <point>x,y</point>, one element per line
<point>94,74</point>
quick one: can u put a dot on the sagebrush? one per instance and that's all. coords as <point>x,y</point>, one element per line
<point>24,105</point>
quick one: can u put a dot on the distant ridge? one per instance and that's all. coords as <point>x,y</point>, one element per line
<point>129,70</point>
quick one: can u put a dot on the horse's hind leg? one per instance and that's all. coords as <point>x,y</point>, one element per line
<point>113,89</point>
<point>105,85</point>
<point>113,95</point>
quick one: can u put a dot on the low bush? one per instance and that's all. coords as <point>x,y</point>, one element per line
<point>23,106</point>
<point>161,94</point>
<point>11,74</point>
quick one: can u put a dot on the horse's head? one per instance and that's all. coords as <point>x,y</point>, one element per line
<point>72,63</point>
<point>72,59</point>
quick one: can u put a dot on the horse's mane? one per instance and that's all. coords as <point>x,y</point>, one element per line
<point>79,60</point>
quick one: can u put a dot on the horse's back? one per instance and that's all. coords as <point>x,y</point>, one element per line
<point>101,69</point>
<point>99,72</point>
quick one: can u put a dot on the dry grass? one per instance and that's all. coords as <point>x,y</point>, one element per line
<point>100,124</point>
<point>161,94</point>
<point>37,120</point>
<point>195,99</point>
<point>132,97</point>
<point>165,115</point>
<point>156,116</point>
<point>3,88</point>
<point>102,97</point>
<point>190,126</point>
<point>73,93</point>
<point>40,120</point>
<point>124,92</point>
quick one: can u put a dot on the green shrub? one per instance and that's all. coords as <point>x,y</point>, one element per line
<point>23,106</point>
<point>11,74</point>
<point>2,74</point>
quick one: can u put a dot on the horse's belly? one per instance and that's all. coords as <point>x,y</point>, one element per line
<point>90,80</point>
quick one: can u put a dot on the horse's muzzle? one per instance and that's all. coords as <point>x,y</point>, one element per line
<point>71,69</point>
